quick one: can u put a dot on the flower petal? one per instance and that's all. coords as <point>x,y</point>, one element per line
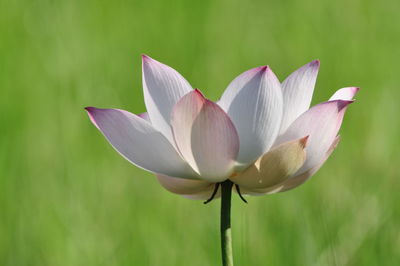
<point>345,94</point>
<point>195,189</point>
<point>293,182</point>
<point>253,101</point>
<point>300,179</point>
<point>205,195</point>
<point>136,140</point>
<point>274,166</point>
<point>297,90</point>
<point>162,87</point>
<point>205,136</point>
<point>260,192</point>
<point>322,123</point>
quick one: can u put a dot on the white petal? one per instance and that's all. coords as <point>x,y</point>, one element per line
<point>260,192</point>
<point>274,166</point>
<point>297,92</point>
<point>136,140</point>
<point>254,103</point>
<point>321,123</point>
<point>205,195</point>
<point>194,189</point>
<point>345,94</point>
<point>205,136</point>
<point>162,88</point>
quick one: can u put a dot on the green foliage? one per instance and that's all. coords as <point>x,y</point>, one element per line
<point>67,198</point>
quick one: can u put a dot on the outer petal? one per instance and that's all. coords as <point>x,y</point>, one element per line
<point>136,140</point>
<point>205,136</point>
<point>300,179</point>
<point>162,87</point>
<point>297,92</point>
<point>294,182</point>
<point>273,167</point>
<point>193,189</point>
<point>254,103</point>
<point>205,195</point>
<point>345,94</point>
<point>322,123</point>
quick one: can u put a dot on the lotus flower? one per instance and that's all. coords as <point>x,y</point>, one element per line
<point>262,134</point>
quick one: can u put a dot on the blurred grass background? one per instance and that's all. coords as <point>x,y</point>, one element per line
<point>67,198</point>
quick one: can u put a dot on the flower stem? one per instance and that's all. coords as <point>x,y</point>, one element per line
<point>226,234</point>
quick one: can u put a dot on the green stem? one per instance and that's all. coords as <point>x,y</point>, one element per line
<point>226,234</point>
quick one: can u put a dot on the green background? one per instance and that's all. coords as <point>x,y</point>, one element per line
<point>67,198</point>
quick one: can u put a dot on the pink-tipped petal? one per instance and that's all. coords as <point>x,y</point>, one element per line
<point>297,91</point>
<point>322,123</point>
<point>345,94</point>
<point>136,140</point>
<point>194,189</point>
<point>205,136</point>
<point>88,110</point>
<point>254,102</point>
<point>162,88</point>
<point>273,167</point>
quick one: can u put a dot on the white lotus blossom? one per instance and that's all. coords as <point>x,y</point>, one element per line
<point>261,134</point>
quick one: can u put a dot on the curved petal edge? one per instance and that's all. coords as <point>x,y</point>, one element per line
<point>254,102</point>
<point>273,167</point>
<point>345,94</point>
<point>321,123</point>
<point>297,90</point>
<point>163,86</point>
<point>138,142</point>
<point>205,136</point>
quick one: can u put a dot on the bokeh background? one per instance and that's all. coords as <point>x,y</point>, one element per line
<point>67,198</point>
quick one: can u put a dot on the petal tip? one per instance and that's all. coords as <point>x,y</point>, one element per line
<point>198,94</point>
<point>356,89</point>
<point>90,109</point>
<point>145,57</point>
<point>315,63</point>
<point>346,93</point>
<point>303,141</point>
<point>268,70</point>
<point>147,60</point>
<point>269,73</point>
<point>260,69</point>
